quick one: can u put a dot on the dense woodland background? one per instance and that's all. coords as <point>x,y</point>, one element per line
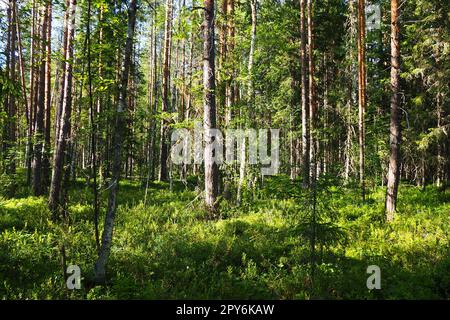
<point>91,90</point>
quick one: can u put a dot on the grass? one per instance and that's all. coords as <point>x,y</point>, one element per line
<point>168,249</point>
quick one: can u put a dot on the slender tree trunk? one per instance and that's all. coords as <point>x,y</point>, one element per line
<point>440,175</point>
<point>30,153</point>
<point>292,158</point>
<point>222,81</point>
<point>190,75</point>
<point>251,91</point>
<point>154,98</point>
<point>62,135</point>
<point>120,125</point>
<point>250,99</point>
<point>5,129</point>
<point>231,86</point>
<point>326,148</point>
<point>175,89</point>
<point>164,148</point>
<point>226,74</point>
<point>99,100</point>
<point>24,86</point>
<point>395,129</point>
<point>63,68</point>
<point>40,112</point>
<point>209,85</point>
<point>182,113</point>
<point>151,97</point>
<point>12,101</point>
<point>11,123</point>
<point>313,139</point>
<point>47,98</point>
<point>352,93</point>
<point>92,114</point>
<point>304,96</point>
<point>361,91</point>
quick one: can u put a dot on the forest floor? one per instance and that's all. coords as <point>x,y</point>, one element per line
<point>169,249</point>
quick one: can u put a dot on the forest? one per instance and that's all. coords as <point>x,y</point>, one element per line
<point>224,149</point>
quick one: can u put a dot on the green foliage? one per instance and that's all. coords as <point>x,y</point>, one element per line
<point>169,249</point>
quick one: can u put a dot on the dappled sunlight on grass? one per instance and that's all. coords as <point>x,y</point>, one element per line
<point>167,248</point>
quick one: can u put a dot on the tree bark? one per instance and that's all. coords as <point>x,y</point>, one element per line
<point>12,101</point>
<point>190,75</point>
<point>164,148</point>
<point>222,81</point>
<point>47,99</point>
<point>440,174</point>
<point>5,129</point>
<point>154,98</point>
<point>250,98</point>
<point>38,187</point>
<point>120,125</point>
<point>63,68</point>
<point>361,91</point>
<point>92,116</point>
<point>304,96</point>
<point>352,93</point>
<point>11,124</point>
<point>24,92</point>
<point>395,129</point>
<point>30,153</point>
<point>183,73</point>
<point>231,89</point>
<point>62,135</point>
<point>313,141</point>
<point>152,64</point>
<point>209,99</point>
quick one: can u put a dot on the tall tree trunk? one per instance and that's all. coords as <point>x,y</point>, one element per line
<point>63,73</point>
<point>326,148</point>
<point>23,83</point>
<point>62,135</point>
<point>30,153</point>
<point>361,90</point>
<point>164,148</point>
<point>182,113</point>
<point>190,74</point>
<point>250,98</point>
<point>47,99</point>
<point>231,88</point>
<point>313,139</point>
<point>119,128</point>
<point>93,115</point>
<point>154,98</point>
<point>11,101</point>
<point>222,81</point>
<point>5,129</point>
<point>209,86</point>
<point>352,92</point>
<point>304,96</point>
<point>40,112</point>
<point>99,100</point>
<point>251,91</point>
<point>152,64</point>
<point>440,174</point>
<point>395,129</point>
